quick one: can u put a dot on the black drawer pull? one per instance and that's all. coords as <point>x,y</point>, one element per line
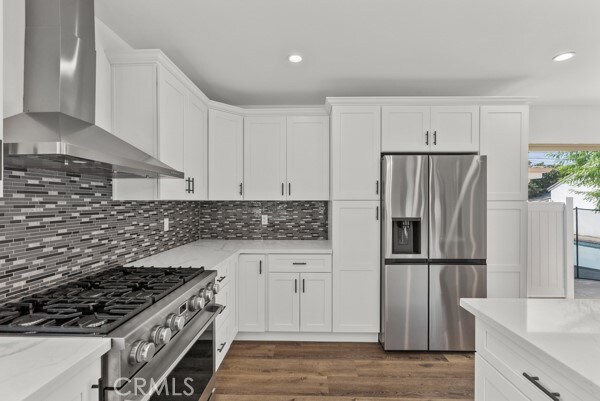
<point>222,347</point>
<point>536,382</point>
<point>221,278</point>
<point>299,263</point>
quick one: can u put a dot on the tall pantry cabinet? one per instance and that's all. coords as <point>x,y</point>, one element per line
<point>355,169</point>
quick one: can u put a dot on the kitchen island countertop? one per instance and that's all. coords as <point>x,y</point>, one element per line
<point>565,333</point>
<point>33,367</point>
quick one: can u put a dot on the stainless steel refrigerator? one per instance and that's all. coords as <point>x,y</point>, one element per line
<point>434,222</point>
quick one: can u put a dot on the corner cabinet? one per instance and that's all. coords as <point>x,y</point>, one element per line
<point>157,109</point>
<point>226,156</point>
<point>356,266</point>
<point>286,158</point>
<point>356,152</point>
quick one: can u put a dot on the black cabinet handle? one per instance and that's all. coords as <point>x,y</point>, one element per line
<point>193,185</point>
<point>536,382</point>
<point>221,278</point>
<point>282,189</point>
<point>299,263</point>
<point>303,286</point>
<point>188,188</point>
<point>222,347</point>
<point>241,188</point>
<point>290,188</point>
<point>377,187</point>
<point>260,267</point>
<point>435,137</point>
<point>295,285</point>
<point>427,138</point>
<point>377,213</point>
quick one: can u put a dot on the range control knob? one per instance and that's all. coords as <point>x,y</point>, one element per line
<point>160,335</point>
<point>141,351</point>
<point>207,294</point>
<point>175,322</point>
<point>197,302</point>
<point>216,288</point>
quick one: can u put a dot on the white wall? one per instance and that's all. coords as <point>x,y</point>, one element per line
<point>564,124</point>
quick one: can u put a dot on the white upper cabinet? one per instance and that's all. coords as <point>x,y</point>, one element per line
<point>155,108</point>
<point>265,158</point>
<point>430,129</point>
<point>504,139</point>
<point>308,158</point>
<point>455,128</point>
<point>405,128</point>
<point>356,152</point>
<point>226,156</point>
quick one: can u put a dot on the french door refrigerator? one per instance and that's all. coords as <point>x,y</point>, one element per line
<point>434,222</point>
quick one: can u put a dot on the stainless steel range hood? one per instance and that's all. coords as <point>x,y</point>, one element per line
<point>57,129</point>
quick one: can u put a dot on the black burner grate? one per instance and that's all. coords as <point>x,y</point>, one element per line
<point>96,304</point>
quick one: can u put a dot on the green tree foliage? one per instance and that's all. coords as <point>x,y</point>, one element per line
<point>539,187</point>
<point>581,169</point>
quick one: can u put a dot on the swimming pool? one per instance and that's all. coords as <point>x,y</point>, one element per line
<point>589,260</point>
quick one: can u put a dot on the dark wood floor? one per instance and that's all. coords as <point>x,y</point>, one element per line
<point>259,371</point>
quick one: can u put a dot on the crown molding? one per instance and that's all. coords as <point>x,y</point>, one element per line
<point>426,100</point>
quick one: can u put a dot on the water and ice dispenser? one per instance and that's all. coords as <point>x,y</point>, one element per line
<point>406,236</point>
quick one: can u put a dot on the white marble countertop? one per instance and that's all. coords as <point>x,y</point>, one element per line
<point>30,367</point>
<point>209,253</point>
<point>568,331</point>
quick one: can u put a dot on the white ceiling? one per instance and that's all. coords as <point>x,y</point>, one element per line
<point>236,50</point>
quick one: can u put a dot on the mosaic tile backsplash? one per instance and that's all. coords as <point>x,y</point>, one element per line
<point>242,220</point>
<point>56,226</point>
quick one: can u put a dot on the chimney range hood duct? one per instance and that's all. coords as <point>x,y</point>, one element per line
<point>57,129</point>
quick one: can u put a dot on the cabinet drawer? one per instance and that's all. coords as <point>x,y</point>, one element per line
<point>223,273</point>
<point>300,263</point>
<point>512,361</point>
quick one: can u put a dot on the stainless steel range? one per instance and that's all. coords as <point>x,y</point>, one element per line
<point>155,317</point>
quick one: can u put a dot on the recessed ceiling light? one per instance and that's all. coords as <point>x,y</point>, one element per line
<point>563,56</point>
<point>295,58</point>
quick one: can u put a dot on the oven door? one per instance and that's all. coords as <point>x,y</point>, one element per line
<point>183,370</point>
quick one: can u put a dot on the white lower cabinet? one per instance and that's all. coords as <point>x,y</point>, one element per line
<point>284,302</point>
<point>251,293</point>
<point>79,386</point>
<point>315,302</point>
<point>490,385</point>
<point>299,302</point>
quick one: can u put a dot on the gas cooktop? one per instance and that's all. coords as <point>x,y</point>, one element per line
<point>95,304</point>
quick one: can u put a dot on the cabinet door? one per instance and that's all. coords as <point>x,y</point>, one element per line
<point>308,158</point>
<point>504,139</point>
<point>195,153</point>
<point>171,117</point>
<point>251,291</point>
<point>490,385</point>
<point>356,266</point>
<point>134,120</point>
<point>264,158</point>
<point>226,156</point>
<point>315,305</point>
<point>455,128</point>
<point>356,152</point>
<point>284,302</point>
<point>405,129</point>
